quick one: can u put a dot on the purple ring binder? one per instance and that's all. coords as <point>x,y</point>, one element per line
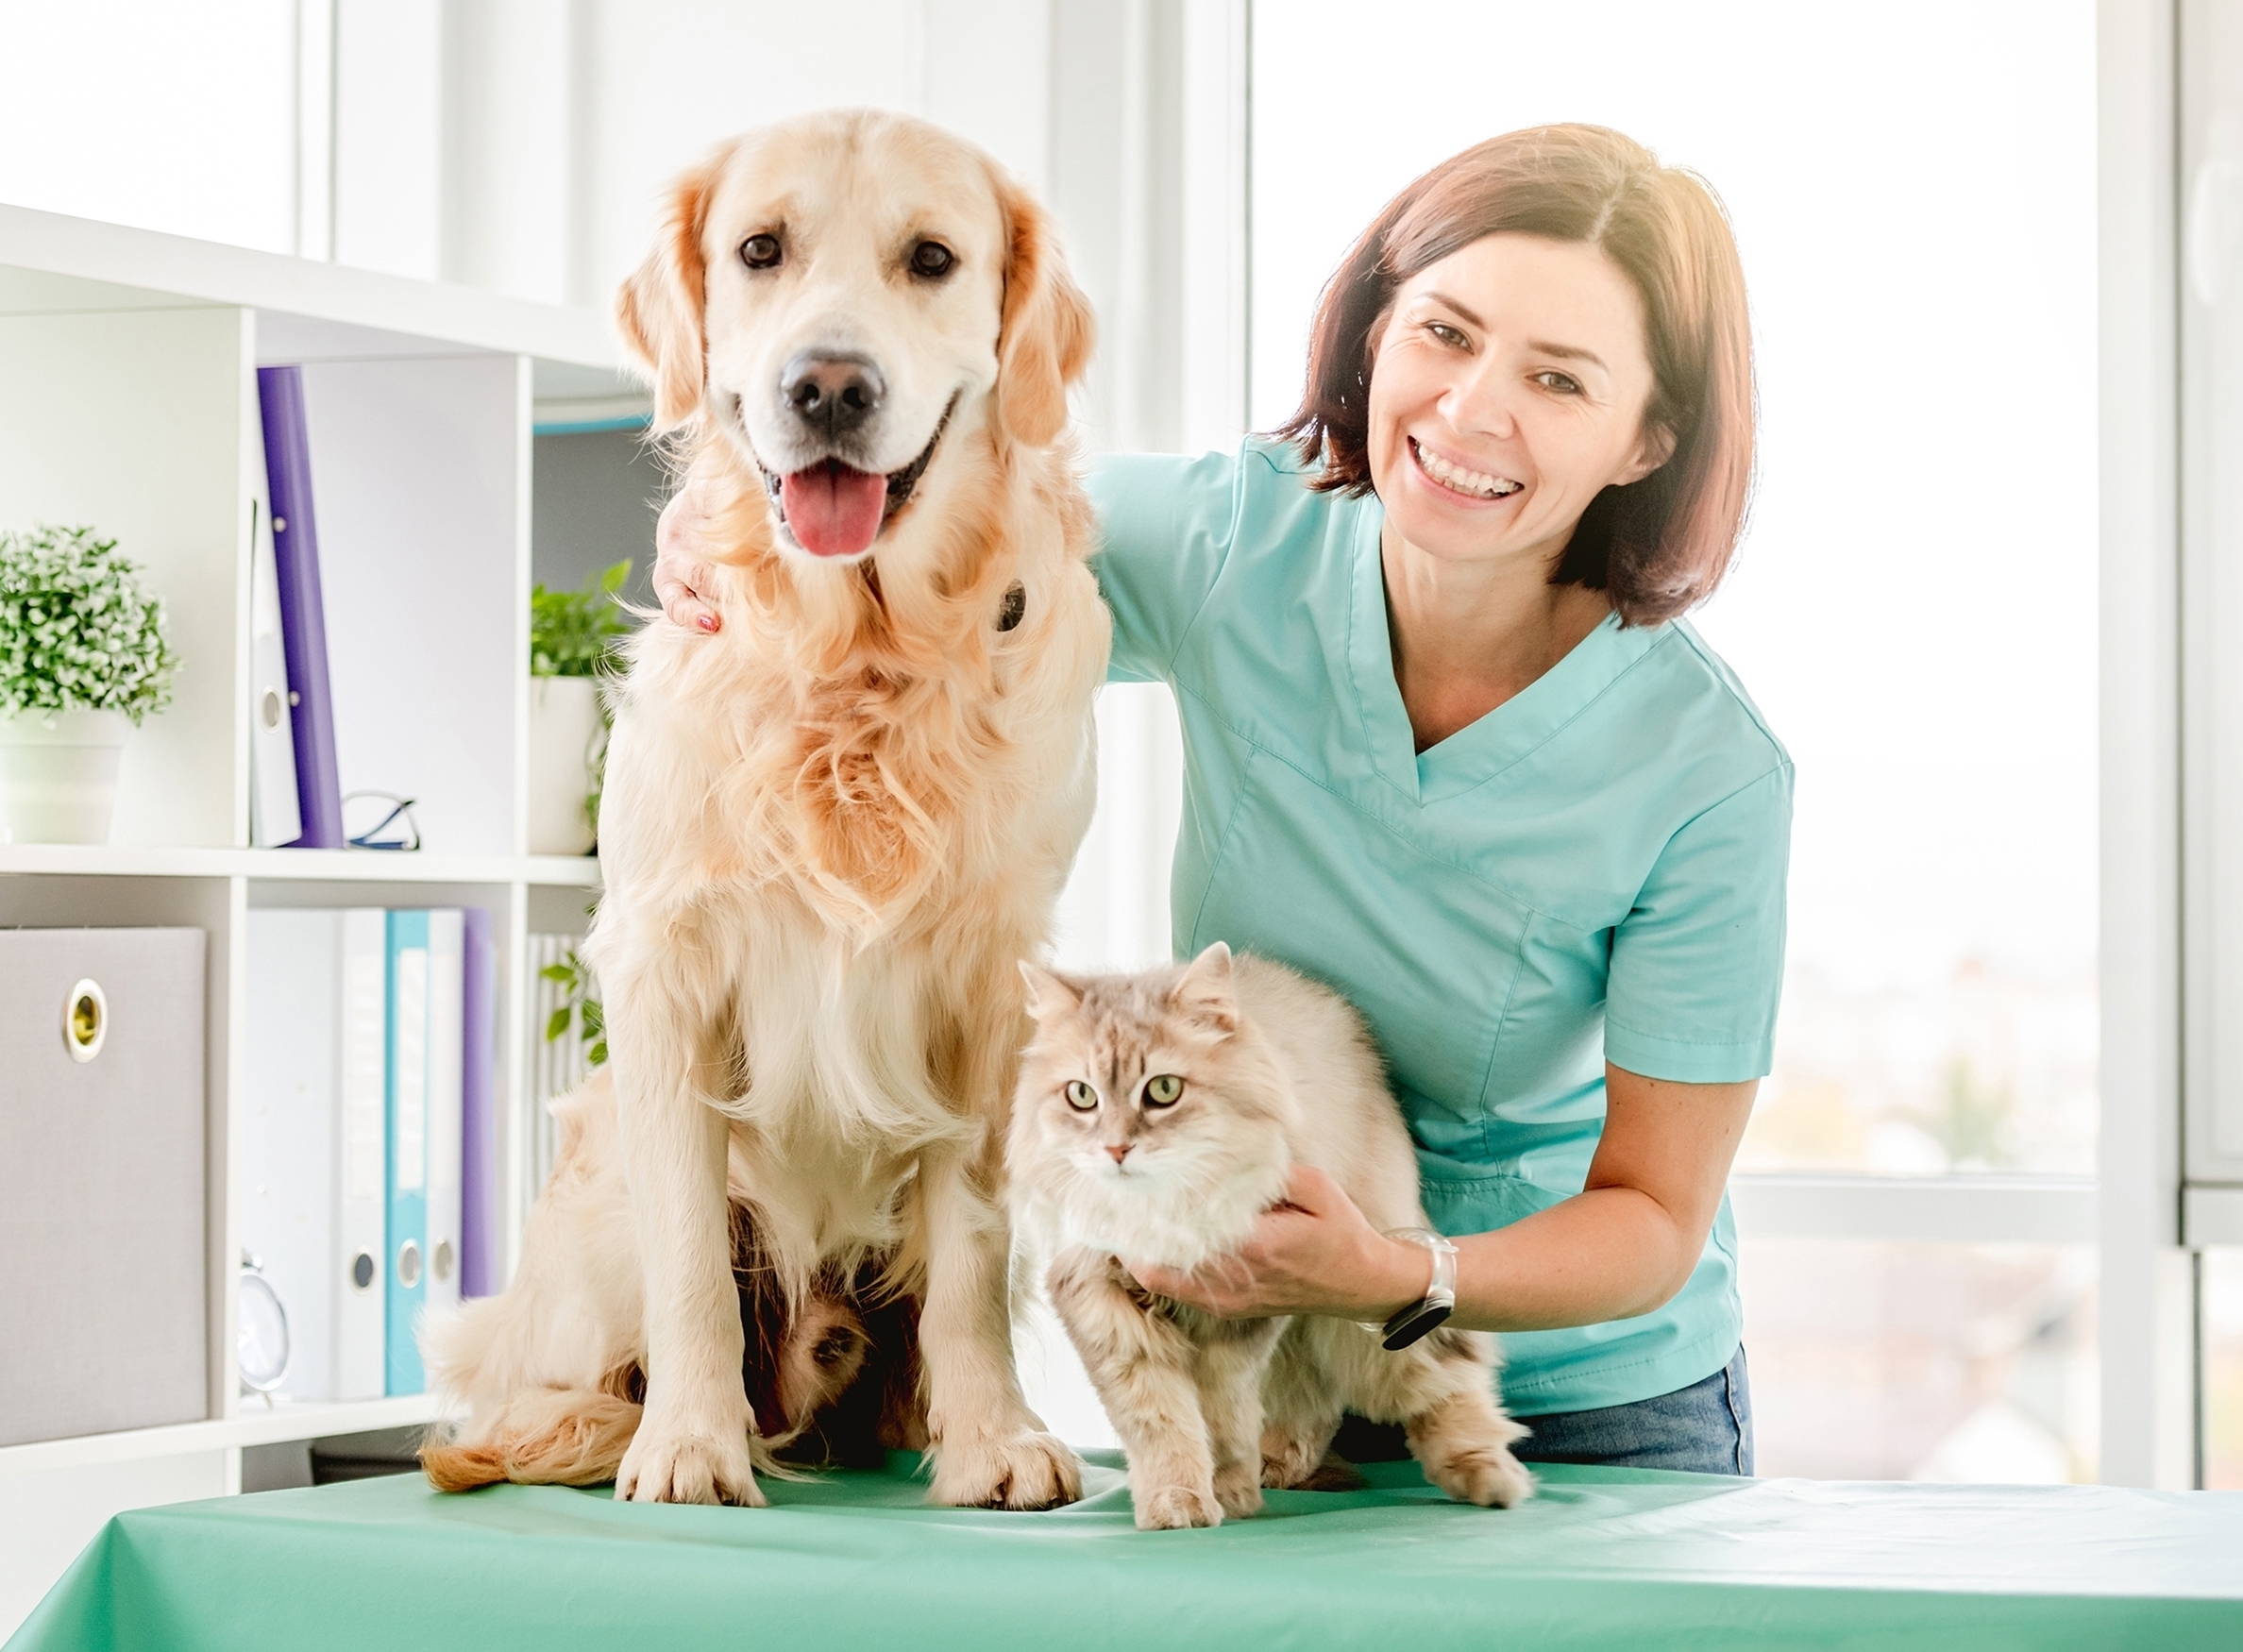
<point>303,616</point>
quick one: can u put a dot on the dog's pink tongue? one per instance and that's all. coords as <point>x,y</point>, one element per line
<point>833,510</point>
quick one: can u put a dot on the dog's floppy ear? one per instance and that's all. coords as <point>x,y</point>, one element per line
<point>1044,339</point>
<point>658,308</point>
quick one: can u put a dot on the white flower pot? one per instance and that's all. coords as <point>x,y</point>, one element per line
<point>58,775</point>
<point>565,734</point>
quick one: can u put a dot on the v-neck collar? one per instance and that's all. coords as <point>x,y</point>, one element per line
<point>1481,749</point>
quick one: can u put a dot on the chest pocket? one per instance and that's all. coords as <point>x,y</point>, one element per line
<point>1429,956</point>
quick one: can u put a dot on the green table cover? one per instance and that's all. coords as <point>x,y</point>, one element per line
<point>1601,1557</point>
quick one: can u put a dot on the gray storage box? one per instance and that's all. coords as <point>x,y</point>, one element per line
<point>101,1272</point>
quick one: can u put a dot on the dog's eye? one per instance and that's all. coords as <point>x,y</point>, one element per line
<point>1164,1090</point>
<point>1080,1096</point>
<point>761,252</point>
<point>931,260</point>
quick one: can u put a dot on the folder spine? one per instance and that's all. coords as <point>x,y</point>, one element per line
<point>481,1268</point>
<point>447,1095</point>
<point>359,1166</point>
<point>303,612</point>
<point>408,1149</point>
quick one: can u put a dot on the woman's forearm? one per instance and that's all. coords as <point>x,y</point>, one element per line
<point>1607,1254</point>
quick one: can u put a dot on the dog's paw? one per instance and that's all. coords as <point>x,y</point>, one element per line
<point>1026,1470</point>
<point>1174,1507</point>
<point>674,1464</point>
<point>1488,1476</point>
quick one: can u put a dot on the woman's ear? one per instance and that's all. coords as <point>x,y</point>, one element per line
<point>1045,337</point>
<point>658,308</point>
<point>1654,449</point>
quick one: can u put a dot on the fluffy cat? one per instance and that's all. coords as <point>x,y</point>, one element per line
<point>1158,1116</point>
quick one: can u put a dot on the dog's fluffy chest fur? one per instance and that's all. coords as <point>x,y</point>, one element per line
<point>854,808</point>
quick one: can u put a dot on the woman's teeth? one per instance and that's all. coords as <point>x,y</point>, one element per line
<point>1455,478</point>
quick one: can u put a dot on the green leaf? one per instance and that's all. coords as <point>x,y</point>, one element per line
<point>577,633</point>
<point>597,1056</point>
<point>560,973</point>
<point>558,1025</point>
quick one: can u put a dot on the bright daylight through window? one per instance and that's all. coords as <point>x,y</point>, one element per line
<point>1920,248</point>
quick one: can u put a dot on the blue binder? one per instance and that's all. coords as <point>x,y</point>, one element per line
<point>406,1119</point>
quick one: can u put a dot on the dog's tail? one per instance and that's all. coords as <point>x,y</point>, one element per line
<point>550,1437</point>
<point>556,1436</point>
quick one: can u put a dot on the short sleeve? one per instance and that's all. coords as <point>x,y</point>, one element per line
<point>1697,965</point>
<point>1165,526</point>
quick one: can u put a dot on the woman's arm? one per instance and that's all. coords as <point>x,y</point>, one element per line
<point>1622,1246</point>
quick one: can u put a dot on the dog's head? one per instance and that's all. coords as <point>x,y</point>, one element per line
<point>842,297</point>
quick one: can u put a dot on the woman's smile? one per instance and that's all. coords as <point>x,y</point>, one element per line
<point>1454,476</point>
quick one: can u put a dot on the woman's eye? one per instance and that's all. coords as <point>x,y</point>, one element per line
<point>761,252</point>
<point>1565,384</point>
<point>931,260</point>
<point>1445,333</point>
<point>1163,1092</point>
<point>1080,1096</point>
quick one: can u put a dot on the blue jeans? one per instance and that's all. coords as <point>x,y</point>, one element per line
<point>1705,1429</point>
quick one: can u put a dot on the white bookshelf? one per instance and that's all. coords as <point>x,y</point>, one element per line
<point>127,400</point>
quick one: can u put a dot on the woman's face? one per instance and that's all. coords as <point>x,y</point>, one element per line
<point>1508,390</point>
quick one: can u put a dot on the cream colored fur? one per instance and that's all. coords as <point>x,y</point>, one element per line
<point>827,834</point>
<point>1276,1072</point>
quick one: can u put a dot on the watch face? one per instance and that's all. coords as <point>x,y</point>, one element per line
<point>262,1342</point>
<point>1401,1331</point>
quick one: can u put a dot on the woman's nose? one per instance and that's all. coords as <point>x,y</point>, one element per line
<point>1482,403</point>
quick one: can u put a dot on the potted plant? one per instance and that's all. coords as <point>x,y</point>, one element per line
<point>83,658</point>
<point>573,640</point>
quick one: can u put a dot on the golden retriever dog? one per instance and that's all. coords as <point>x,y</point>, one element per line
<point>828,833</point>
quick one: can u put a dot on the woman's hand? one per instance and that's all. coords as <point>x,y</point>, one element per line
<point>680,575</point>
<point>1313,1254</point>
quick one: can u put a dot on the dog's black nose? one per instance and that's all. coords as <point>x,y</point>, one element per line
<point>834,394</point>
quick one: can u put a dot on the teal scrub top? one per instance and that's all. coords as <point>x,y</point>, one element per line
<point>1593,871</point>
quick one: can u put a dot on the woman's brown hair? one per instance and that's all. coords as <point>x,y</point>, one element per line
<point>1655,546</point>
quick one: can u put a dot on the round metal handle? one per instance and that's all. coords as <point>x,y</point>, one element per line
<point>85,1021</point>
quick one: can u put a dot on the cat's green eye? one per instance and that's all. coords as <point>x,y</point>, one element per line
<point>1164,1090</point>
<point>1080,1096</point>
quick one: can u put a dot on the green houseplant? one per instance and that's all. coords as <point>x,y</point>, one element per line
<point>575,641</point>
<point>83,659</point>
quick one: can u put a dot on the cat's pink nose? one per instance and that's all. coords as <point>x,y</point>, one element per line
<point>1118,1150</point>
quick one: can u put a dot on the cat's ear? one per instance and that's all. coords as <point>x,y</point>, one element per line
<point>1049,995</point>
<point>1205,993</point>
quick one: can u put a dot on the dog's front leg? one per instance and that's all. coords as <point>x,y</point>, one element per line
<point>692,1441</point>
<point>990,1450</point>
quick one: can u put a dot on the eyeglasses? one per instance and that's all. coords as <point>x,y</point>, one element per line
<point>396,828</point>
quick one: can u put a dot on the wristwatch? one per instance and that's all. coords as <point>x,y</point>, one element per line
<point>1439,1299</point>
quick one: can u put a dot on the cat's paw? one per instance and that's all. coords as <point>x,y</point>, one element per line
<point>673,1464</point>
<point>1027,1470</point>
<point>1486,1475</point>
<point>1289,1458</point>
<point>1238,1491</point>
<point>1174,1507</point>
